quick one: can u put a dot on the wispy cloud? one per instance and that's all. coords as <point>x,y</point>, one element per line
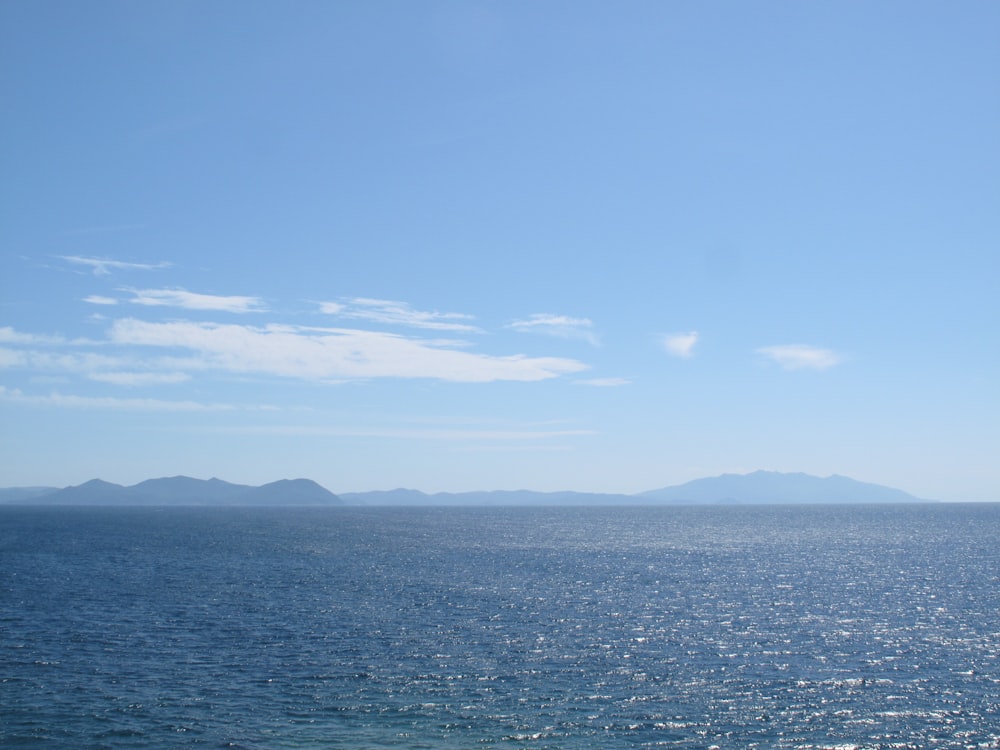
<point>800,356</point>
<point>12,358</point>
<point>9,336</point>
<point>52,354</point>
<point>604,382</point>
<point>397,313</point>
<point>140,378</point>
<point>104,266</point>
<point>322,354</point>
<point>144,353</point>
<point>195,301</point>
<point>681,344</point>
<point>96,299</point>
<point>78,362</point>
<point>561,326</point>
<point>14,395</point>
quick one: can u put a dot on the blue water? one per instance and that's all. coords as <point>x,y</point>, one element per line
<point>733,627</point>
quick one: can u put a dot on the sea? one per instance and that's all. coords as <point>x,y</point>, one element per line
<point>843,627</point>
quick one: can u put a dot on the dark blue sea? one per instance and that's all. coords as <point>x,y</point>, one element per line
<point>671,627</point>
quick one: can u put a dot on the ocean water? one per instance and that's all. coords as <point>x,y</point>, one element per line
<point>681,627</point>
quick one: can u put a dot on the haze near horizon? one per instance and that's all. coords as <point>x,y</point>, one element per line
<point>488,246</point>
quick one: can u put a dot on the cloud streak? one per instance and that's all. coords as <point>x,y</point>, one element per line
<point>325,354</point>
<point>681,344</point>
<point>391,312</point>
<point>560,326</point>
<point>104,266</point>
<point>77,357</point>
<point>79,362</point>
<point>97,299</point>
<point>194,301</point>
<point>9,336</point>
<point>14,395</point>
<point>800,356</point>
<point>135,379</point>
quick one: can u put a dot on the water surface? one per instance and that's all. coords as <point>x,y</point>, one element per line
<point>680,627</point>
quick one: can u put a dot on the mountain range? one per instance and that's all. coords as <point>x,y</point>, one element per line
<point>757,488</point>
<point>176,491</point>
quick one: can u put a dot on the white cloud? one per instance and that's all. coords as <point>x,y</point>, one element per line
<point>9,336</point>
<point>397,313</point>
<point>194,301</point>
<point>800,356</point>
<point>106,368</point>
<point>322,354</point>
<point>76,362</point>
<point>605,382</point>
<point>140,378</point>
<point>96,299</point>
<point>561,326</point>
<point>681,344</point>
<point>104,266</point>
<point>14,395</point>
<point>12,358</point>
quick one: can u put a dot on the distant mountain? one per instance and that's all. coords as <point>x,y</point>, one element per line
<point>758,488</point>
<point>94,492</point>
<point>186,491</point>
<point>23,494</point>
<point>182,490</point>
<point>774,487</point>
<point>289,492</point>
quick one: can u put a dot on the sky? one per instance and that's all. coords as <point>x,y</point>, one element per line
<point>457,246</point>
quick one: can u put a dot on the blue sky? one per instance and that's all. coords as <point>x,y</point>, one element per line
<point>458,245</point>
